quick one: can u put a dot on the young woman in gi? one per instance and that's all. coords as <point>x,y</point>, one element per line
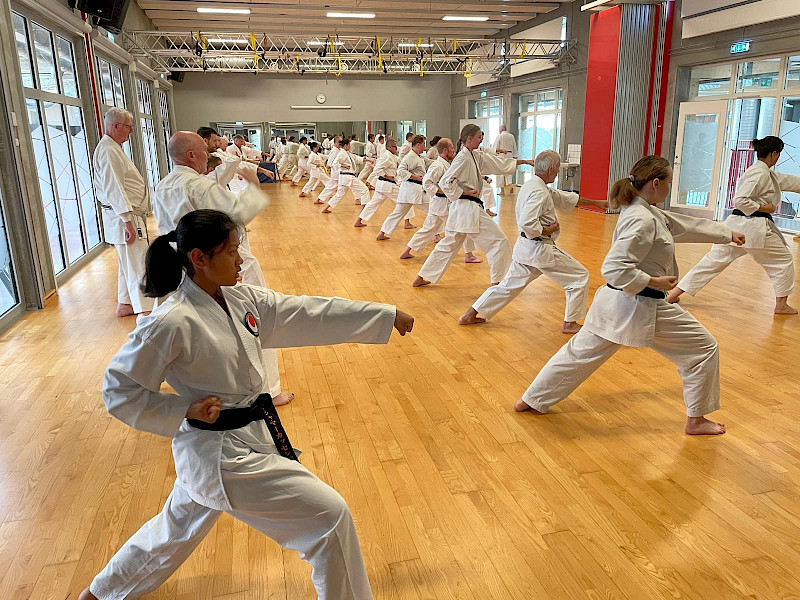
<point>631,310</point>
<point>231,452</point>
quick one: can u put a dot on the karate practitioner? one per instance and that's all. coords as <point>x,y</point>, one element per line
<point>327,143</point>
<point>288,160</point>
<point>535,251</point>
<point>347,165</point>
<point>185,190</point>
<point>230,163</point>
<point>302,161</point>
<point>488,197</point>
<point>467,219</point>
<point>631,310</point>
<point>432,152</point>
<point>438,205</point>
<point>250,158</point>
<point>505,144</point>
<point>370,152</point>
<point>332,185</point>
<point>231,451</point>
<point>316,162</point>
<point>406,147</point>
<point>380,146</point>
<point>410,172</point>
<point>758,194</point>
<point>125,200</point>
<point>384,174</point>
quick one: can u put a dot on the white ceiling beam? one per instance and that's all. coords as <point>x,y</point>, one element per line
<point>525,6</point>
<point>412,31</point>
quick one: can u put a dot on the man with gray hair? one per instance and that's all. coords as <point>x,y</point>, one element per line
<point>536,252</point>
<point>125,201</point>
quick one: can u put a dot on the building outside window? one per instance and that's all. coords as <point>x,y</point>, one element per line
<point>146,121</point>
<point>112,91</point>
<point>539,124</point>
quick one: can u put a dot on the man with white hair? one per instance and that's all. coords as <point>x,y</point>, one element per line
<point>536,252</point>
<point>186,189</point>
<point>125,201</point>
<point>505,144</point>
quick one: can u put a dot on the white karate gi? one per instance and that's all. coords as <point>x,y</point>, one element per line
<point>123,197</point>
<point>227,169</point>
<point>316,173</point>
<point>404,149</point>
<point>302,163</point>
<point>432,153</point>
<point>332,185</point>
<point>438,208</point>
<point>410,193</point>
<point>327,143</point>
<point>758,185</point>
<point>505,141</point>
<point>386,167</point>
<point>536,253</point>
<point>467,219</point>
<point>288,160</point>
<point>380,148</point>
<point>369,152</point>
<point>347,165</point>
<point>642,247</point>
<point>487,195</point>
<point>239,471</point>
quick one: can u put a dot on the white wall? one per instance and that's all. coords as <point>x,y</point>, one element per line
<point>207,97</point>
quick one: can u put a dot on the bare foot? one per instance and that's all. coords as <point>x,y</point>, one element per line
<point>470,258</point>
<point>327,210</point>
<point>318,202</point>
<point>406,253</point>
<point>470,318</point>
<point>702,426</point>
<point>520,406</point>
<point>359,223</point>
<point>782,307</point>
<point>294,184</point>
<point>409,225</point>
<point>382,236</point>
<point>302,195</point>
<point>437,238</point>
<point>495,283</point>
<point>419,282</point>
<point>491,213</point>
<point>674,294</point>
<point>282,399</point>
<point>124,310</point>
<point>87,595</point>
<point>570,327</point>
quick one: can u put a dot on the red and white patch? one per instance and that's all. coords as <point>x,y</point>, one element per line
<point>251,324</point>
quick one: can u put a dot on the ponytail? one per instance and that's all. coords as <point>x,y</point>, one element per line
<point>645,170</point>
<point>767,145</point>
<point>205,230</point>
<point>469,130</point>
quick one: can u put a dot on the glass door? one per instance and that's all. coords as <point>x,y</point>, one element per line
<point>698,155</point>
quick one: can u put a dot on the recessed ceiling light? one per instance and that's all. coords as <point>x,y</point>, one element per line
<point>344,15</point>
<point>463,18</point>
<point>409,45</point>
<point>225,11</point>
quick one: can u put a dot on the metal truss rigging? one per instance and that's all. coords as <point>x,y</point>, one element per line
<point>338,55</point>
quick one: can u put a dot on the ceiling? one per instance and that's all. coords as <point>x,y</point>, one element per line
<point>415,18</point>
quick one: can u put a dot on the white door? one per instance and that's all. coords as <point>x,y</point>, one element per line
<point>698,156</point>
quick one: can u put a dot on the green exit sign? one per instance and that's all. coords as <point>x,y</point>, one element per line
<point>740,47</point>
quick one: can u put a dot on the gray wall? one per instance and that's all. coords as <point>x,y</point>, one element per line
<point>205,97</point>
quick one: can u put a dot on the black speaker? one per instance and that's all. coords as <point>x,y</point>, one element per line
<point>108,14</point>
<point>177,76</point>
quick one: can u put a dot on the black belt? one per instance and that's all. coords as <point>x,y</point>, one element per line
<point>538,238</point>
<point>260,410</point>
<point>471,199</point>
<point>647,292</point>
<point>346,173</point>
<point>414,181</point>
<point>382,178</point>
<point>441,195</point>
<point>758,213</point>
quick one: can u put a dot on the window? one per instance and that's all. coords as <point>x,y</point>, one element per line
<point>8,288</point>
<point>112,91</point>
<point>57,129</point>
<point>789,162</point>
<point>166,131</point>
<point>713,80</point>
<point>793,73</point>
<point>539,124</point>
<point>487,107</point>
<point>758,76</point>
<point>148,132</point>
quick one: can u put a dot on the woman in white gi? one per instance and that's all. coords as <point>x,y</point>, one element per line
<point>231,452</point>
<point>316,162</point>
<point>332,185</point>
<point>347,165</point>
<point>462,184</point>
<point>410,172</point>
<point>631,310</point>
<point>758,194</point>
<point>535,251</point>
<point>303,153</point>
<point>438,205</point>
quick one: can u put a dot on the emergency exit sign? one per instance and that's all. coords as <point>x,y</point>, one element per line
<point>740,47</point>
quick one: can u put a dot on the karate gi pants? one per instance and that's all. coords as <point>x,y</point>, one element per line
<point>365,171</point>
<point>301,170</point>
<point>775,258</point>
<point>399,213</point>
<point>314,180</point>
<point>678,336</point>
<point>490,238</point>
<point>287,163</point>
<point>275,495</point>
<point>566,272</point>
<point>130,272</point>
<point>331,188</point>
<point>358,187</point>
<point>431,227</point>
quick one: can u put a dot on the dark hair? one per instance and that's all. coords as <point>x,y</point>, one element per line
<point>206,132</point>
<point>213,162</point>
<point>303,139</point>
<point>291,138</point>
<point>371,137</point>
<point>314,145</point>
<point>417,139</point>
<point>767,145</point>
<point>409,135</point>
<point>645,170</point>
<point>204,229</point>
<point>435,140</point>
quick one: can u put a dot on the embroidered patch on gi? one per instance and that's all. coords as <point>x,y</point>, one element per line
<point>250,323</point>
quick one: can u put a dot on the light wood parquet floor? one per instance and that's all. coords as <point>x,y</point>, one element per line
<point>454,495</point>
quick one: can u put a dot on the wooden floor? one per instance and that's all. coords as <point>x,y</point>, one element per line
<point>454,495</point>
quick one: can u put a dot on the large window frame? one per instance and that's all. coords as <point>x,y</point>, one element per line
<point>544,112</point>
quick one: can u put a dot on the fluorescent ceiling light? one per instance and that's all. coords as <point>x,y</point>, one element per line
<point>321,43</point>
<point>594,5</point>
<point>344,15</point>
<point>463,18</point>
<point>225,11</point>
<point>227,41</point>
<point>408,45</point>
